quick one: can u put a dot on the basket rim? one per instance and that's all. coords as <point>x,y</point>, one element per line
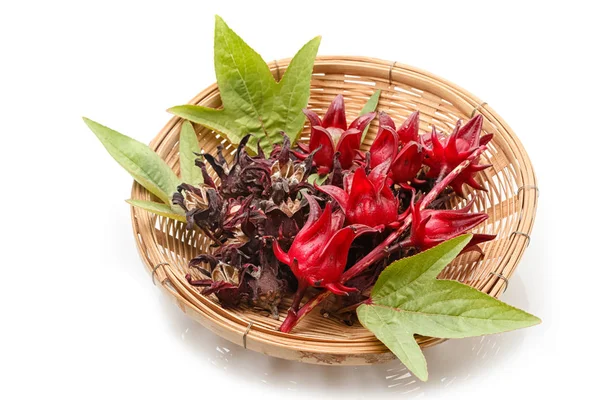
<point>220,320</point>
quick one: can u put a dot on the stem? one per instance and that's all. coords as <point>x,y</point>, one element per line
<point>292,316</point>
<point>383,249</point>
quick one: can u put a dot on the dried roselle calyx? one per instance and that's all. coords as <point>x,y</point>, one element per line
<point>226,282</point>
<point>203,207</point>
<point>242,220</point>
<point>287,175</point>
<point>246,176</point>
<point>444,153</point>
<point>332,134</point>
<point>282,221</point>
<point>266,288</point>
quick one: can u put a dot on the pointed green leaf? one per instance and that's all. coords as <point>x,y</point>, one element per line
<point>370,105</point>
<point>317,179</point>
<point>388,327</point>
<point>408,299</point>
<point>143,164</point>
<point>188,148</point>
<point>253,102</point>
<point>158,208</point>
<point>294,91</point>
<point>397,279</point>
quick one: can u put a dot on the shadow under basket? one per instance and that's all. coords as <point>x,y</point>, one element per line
<point>510,201</point>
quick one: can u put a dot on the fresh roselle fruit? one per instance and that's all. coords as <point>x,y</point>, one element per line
<point>318,254</point>
<point>332,134</point>
<point>432,227</point>
<point>406,161</point>
<point>407,164</point>
<point>367,200</point>
<point>444,153</point>
<point>387,140</point>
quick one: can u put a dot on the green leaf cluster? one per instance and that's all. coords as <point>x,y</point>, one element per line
<point>151,171</point>
<point>408,299</point>
<point>253,101</point>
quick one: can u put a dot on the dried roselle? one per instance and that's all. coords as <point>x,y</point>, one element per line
<point>203,207</point>
<point>245,176</point>
<point>319,252</point>
<point>332,134</point>
<point>266,287</point>
<point>444,153</point>
<point>226,282</point>
<point>287,175</point>
<point>282,221</point>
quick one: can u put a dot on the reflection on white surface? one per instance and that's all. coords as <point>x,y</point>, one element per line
<point>449,364</point>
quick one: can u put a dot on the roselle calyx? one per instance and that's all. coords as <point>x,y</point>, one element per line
<point>400,146</point>
<point>332,134</point>
<point>432,227</point>
<point>318,254</point>
<point>444,153</point>
<point>367,200</point>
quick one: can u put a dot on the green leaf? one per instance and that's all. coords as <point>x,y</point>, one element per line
<point>408,299</point>
<point>143,164</point>
<point>188,148</point>
<point>317,179</point>
<point>158,208</point>
<point>253,102</point>
<point>370,105</point>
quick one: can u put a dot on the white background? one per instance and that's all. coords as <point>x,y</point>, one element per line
<point>80,317</point>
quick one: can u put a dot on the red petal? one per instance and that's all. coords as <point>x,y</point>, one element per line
<point>313,118</point>
<point>438,147</point>
<point>320,137</point>
<point>335,253</point>
<point>474,184</point>
<point>337,220</point>
<point>361,122</point>
<point>446,224</point>
<point>485,139</point>
<point>280,254</point>
<point>339,289</point>
<point>408,163</point>
<point>313,210</point>
<point>361,186</point>
<point>471,131</point>
<point>338,194</point>
<point>409,129</point>
<point>385,120</point>
<point>385,146</point>
<point>378,175</point>
<point>309,241</point>
<point>336,114</point>
<point>347,146</point>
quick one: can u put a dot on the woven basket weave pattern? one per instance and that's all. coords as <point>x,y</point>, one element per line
<point>510,201</point>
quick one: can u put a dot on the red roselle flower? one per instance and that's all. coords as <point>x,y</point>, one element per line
<point>432,227</point>
<point>367,200</point>
<point>319,252</point>
<point>406,161</point>
<point>443,154</point>
<point>332,134</point>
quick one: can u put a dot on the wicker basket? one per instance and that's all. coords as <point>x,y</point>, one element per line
<point>166,246</point>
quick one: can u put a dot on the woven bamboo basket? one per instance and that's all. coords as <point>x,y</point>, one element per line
<point>166,246</point>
